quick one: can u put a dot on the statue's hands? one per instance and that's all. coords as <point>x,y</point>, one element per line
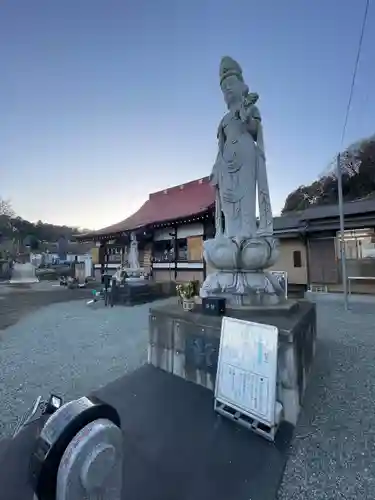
<point>251,98</point>
<point>213,178</point>
<point>244,113</point>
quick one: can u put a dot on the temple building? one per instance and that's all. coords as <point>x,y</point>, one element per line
<point>171,227</point>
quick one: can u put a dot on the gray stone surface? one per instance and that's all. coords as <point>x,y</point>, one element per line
<point>187,344</point>
<point>67,348</point>
<point>143,291</point>
<point>18,300</point>
<point>332,454</point>
<point>24,273</point>
<point>333,450</point>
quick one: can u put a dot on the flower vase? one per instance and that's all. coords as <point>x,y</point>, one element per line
<point>188,304</point>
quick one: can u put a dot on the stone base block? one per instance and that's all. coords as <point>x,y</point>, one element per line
<point>187,345</point>
<point>244,288</point>
<point>140,292</point>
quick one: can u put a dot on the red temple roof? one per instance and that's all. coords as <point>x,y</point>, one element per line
<point>178,202</point>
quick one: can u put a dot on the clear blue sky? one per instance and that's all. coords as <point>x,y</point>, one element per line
<point>104,101</point>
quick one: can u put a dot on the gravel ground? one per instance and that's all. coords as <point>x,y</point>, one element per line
<point>16,301</point>
<point>70,349</point>
<point>332,453</point>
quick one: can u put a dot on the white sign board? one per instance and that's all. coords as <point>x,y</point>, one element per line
<point>282,278</point>
<point>247,368</point>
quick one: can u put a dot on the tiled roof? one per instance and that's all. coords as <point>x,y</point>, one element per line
<point>355,207</point>
<point>174,203</point>
<point>310,217</point>
<point>287,223</point>
<point>195,197</point>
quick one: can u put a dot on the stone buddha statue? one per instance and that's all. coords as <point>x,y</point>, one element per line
<point>133,258</point>
<point>245,246</point>
<point>240,169</point>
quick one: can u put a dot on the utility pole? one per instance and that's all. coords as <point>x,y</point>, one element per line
<point>342,234</point>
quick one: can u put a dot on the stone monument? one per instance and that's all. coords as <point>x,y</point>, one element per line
<point>133,259</point>
<point>243,247</point>
<point>133,271</point>
<point>129,270</point>
<point>23,274</point>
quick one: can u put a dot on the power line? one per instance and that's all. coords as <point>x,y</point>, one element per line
<point>344,276</point>
<point>355,70</point>
<point>333,164</point>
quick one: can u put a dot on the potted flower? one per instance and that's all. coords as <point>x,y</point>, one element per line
<point>186,292</point>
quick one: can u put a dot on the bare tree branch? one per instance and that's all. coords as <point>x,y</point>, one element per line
<point>6,208</point>
<point>358,178</point>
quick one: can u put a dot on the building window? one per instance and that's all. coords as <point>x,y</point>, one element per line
<point>195,248</point>
<point>114,255</point>
<point>163,251</point>
<point>182,249</point>
<point>358,244</point>
<point>297,258</point>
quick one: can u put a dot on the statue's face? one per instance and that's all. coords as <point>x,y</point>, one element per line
<point>232,89</point>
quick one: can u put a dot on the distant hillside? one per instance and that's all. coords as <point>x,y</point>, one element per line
<point>20,229</point>
<point>358,179</point>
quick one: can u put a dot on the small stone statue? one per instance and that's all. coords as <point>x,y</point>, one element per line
<point>120,275</point>
<point>133,257</point>
<point>242,249</point>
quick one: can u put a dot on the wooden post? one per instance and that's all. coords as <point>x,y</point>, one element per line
<point>175,251</point>
<point>342,234</point>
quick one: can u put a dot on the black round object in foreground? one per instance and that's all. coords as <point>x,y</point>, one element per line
<point>55,437</point>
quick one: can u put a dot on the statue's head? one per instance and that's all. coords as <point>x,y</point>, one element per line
<point>231,81</point>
